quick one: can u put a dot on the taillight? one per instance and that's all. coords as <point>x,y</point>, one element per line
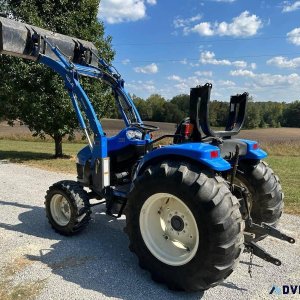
<point>187,129</point>
<point>214,154</point>
<point>255,146</point>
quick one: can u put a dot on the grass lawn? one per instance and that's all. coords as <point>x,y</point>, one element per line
<point>40,154</point>
<point>288,170</point>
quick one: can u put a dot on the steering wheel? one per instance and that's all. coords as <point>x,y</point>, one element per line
<point>145,127</point>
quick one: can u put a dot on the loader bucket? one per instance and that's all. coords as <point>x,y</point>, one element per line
<point>26,41</point>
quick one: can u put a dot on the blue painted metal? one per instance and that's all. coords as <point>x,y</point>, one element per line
<point>84,155</point>
<point>253,153</point>
<point>114,143</point>
<point>200,152</point>
<point>102,146</point>
<point>70,72</point>
<point>121,140</point>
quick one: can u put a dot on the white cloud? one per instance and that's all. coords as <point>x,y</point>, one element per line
<point>288,6</point>
<point>174,78</point>
<point>183,85</point>
<point>184,61</point>
<point>268,80</point>
<point>204,73</point>
<point>180,22</point>
<point>284,62</point>
<point>243,25</point>
<point>243,73</point>
<point>151,2</point>
<point>149,69</point>
<point>184,24</point>
<point>142,86</point>
<point>204,28</point>
<point>209,57</point>
<point>118,11</point>
<point>239,64</point>
<point>294,36</point>
<point>126,61</point>
<point>194,65</point>
<point>226,83</point>
<point>253,66</point>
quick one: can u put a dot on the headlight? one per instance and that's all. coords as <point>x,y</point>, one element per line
<point>138,135</point>
<point>134,134</point>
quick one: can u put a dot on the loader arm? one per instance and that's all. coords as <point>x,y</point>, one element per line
<point>70,58</point>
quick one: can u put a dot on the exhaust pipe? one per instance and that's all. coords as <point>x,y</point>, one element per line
<point>26,41</point>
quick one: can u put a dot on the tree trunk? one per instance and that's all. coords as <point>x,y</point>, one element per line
<point>58,145</point>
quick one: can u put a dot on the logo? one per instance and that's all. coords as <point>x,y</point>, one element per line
<point>285,290</point>
<point>275,290</point>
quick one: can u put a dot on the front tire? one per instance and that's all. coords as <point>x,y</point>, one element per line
<point>67,207</point>
<point>184,225</point>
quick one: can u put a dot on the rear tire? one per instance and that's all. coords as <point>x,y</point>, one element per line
<point>266,193</point>
<point>67,207</point>
<point>211,212</point>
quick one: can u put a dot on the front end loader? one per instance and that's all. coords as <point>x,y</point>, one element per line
<point>193,206</point>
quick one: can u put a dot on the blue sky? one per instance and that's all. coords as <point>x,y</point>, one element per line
<point>169,46</point>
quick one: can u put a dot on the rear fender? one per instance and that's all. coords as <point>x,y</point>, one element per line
<point>197,152</point>
<point>253,151</point>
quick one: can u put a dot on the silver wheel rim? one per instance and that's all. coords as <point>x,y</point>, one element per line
<point>169,229</point>
<point>60,209</point>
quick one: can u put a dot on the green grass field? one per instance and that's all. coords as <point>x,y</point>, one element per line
<point>284,159</point>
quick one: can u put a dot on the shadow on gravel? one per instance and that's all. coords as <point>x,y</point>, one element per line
<point>98,259</point>
<point>23,156</point>
<point>233,286</point>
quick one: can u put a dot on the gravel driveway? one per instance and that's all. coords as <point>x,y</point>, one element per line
<point>37,262</point>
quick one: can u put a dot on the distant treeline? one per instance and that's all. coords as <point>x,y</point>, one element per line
<point>259,114</point>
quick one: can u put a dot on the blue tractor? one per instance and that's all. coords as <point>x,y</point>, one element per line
<point>193,206</point>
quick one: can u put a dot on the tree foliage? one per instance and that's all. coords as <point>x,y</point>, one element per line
<point>35,94</point>
<point>291,115</point>
<point>258,114</point>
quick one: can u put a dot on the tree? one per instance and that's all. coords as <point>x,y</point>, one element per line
<point>33,93</point>
<point>291,115</point>
<point>156,102</point>
<point>253,117</point>
<point>271,113</point>
<point>218,113</point>
<point>144,109</point>
<point>173,114</point>
<point>182,101</point>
